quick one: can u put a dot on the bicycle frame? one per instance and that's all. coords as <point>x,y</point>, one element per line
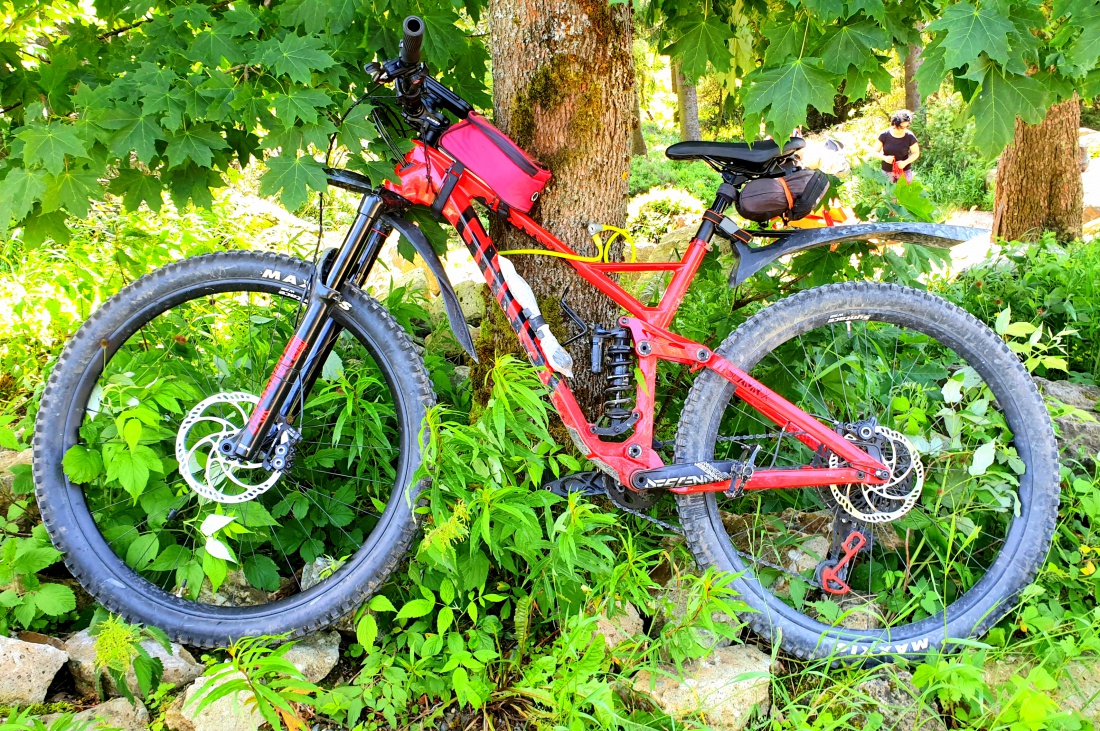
<point>423,178</point>
<point>428,174</point>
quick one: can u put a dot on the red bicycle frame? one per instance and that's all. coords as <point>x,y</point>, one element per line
<point>422,180</point>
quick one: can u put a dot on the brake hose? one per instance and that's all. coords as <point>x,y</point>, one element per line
<point>603,249</point>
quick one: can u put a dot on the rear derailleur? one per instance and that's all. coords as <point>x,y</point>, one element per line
<point>849,539</point>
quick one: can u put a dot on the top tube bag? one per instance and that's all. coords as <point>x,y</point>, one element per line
<point>488,153</point>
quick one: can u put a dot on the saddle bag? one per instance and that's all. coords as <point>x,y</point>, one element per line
<point>488,153</point>
<point>791,196</point>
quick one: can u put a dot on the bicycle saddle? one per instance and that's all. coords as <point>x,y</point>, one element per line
<point>758,153</point>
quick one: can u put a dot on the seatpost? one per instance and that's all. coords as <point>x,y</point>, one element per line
<point>726,195</point>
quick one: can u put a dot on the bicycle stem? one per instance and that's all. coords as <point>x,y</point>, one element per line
<point>315,334</point>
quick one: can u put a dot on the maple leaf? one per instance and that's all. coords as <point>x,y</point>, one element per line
<point>851,45</point>
<point>969,31</point>
<point>196,144</point>
<point>299,104</point>
<point>701,40</point>
<point>782,94</point>
<point>48,144</point>
<point>135,133</point>
<point>211,47</point>
<point>296,56</point>
<point>72,189</point>
<point>1003,97</point>
<point>136,187</point>
<point>294,176</point>
<point>19,191</point>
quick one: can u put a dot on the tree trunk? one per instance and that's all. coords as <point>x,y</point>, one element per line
<point>912,91</point>
<point>1039,178</point>
<point>637,139</point>
<point>687,104</point>
<point>563,89</point>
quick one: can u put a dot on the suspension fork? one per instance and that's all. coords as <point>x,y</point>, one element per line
<point>314,336</point>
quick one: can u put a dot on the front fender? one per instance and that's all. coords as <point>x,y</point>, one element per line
<point>420,242</point>
<point>752,259</point>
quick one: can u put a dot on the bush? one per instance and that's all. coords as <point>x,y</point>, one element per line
<point>1043,283</point>
<point>951,167</point>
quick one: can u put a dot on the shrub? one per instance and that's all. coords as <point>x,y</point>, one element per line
<point>952,169</point>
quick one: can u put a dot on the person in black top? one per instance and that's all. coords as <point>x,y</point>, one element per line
<point>897,147</point>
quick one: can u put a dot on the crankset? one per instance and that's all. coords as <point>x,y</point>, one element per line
<point>597,483</point>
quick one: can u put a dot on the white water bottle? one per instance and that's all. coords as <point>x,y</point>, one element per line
<point>557,356</point>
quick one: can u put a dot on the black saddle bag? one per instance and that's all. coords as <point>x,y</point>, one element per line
<point>791,196</point>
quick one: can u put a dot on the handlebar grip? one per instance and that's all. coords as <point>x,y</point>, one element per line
<point>413,28</point>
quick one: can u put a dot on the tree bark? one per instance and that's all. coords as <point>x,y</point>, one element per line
<point>563,89</point>
<point>637,139</point>
<point>913,61</point>
<point>1039,178</point>
<point>687,104</point>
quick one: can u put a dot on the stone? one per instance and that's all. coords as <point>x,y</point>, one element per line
<point>234,712</point>
<point>311,576</point>
<point>1078,434</point>
<point>675,606</point>
<point>618,629</point>
<point>471,301</point>
<point>10,459</point>
<point>26,670</point>
<point>235,591</point>
<point>726,688</point>
<point>117,713</point>
<point>462,374</point>
<point>1079,395</point>
<point>1078,685</point>
<point>315,655</point>
<point>180,667</point>
<point>415,280</point>
<point>858,611</point>
<point>891,693</point>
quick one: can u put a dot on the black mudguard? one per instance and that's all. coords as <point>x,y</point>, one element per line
<point>754,258</point>
<point>420,242</point>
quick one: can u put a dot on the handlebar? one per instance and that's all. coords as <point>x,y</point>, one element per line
<point>413,28</point>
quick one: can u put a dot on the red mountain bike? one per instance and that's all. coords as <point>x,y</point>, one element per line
<point>228,446</point>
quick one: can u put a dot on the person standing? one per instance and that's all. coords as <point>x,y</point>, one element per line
<point>897,147</point>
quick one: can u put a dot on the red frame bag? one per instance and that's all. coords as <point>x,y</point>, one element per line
<point>488,153</point>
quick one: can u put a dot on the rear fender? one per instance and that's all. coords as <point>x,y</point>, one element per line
<point>752,259</point>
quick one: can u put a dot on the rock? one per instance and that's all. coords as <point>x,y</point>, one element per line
<point>471,301</point>
<point>1078,435</point>
<point>180,668</point>
<point>620,628</point>
<point>725,687</point>
<point>235,591</point>
<point>311,575</point>
<point>315,655</point>
<point>18,460</point>
<point>117,713</point>
<point>416,280</point>
<point>234,712</point>
<point>677,596</point>
<point>1074,394</point>
<point>462,374</point>
<point>808,555</point>
<point>859,612</point>
<point>1090,201</point>
<point>892,693</point>
<point>26,670</point>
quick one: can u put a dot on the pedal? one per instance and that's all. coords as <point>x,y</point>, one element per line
<point>588,484</point>
<point>832,573</point>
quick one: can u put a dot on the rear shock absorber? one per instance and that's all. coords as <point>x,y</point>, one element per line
<point>617,414</point>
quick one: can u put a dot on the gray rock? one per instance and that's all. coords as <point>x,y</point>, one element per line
<point>235,591</point>
<point>726,688</point>
<point>462,374</point>
<point>26,670</point>
<point>315,655</point>
<point>675,607</point>
<point>1078,434</point>
<point>1073,394</point>
<point>117,713</point>
<point>471,301</point>
<point>235,712</point>
<point>9,459</point>
<point>180,668</point>
<point>620,628</point>
<point>416,280</point>
<point>892,694</point>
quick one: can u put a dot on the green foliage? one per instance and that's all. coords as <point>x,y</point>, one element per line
<point>26,601</point>
<point>261,677</point>
<point>951,169</point>
<point>1044,284</point>
<point>880,200</point>
<point>119,649</point>
<point>170,97</point>
<point>27,720</point>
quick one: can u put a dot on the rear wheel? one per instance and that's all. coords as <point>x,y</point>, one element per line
<point>950,409</point>
<point>162,531</point>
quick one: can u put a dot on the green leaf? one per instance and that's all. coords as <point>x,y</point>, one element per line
<point>983,458</point>
<point>785,39</point>
<point>294,176</point>
<point>415,608</point>
<point>143,551</point>
<point>136,188</point>
<point>54,599</point>
<point>311,15</point>
<point>262,573</point>
<point>1085,49</point>
<point>18,193</point>
<point>381,603</point>
<point>48,144</point>
<point>137,133</point>
<point>851,45</point>
<point>366,631</point>
<point>82,465</point>
<point>216,570</point>
<point>970,31</point>
<point>300,104</point>
<point>196,144</point>
<point>874,9</point>
<point>782,94</point>
<point>171,558</point>
<point>148,671</point>
<point>1002,98</point>
<point>72,189</point>
<point>700,40</point>
<point>296,56</point>
<point>215,45</point>
<point>130,471</point>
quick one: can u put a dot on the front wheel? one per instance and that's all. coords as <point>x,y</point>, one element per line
<point>953,412</point>
<point>160,529</point>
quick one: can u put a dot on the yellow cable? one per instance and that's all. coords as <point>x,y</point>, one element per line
<point>603,249</point>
